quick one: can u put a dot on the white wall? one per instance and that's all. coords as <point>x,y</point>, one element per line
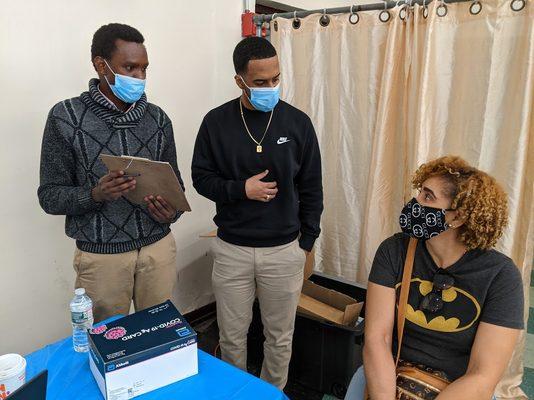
<point>45,58</point>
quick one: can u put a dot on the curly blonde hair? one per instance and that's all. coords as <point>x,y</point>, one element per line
<point>476,196</point>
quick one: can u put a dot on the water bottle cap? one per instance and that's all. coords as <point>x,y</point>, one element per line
<point>79,292</point>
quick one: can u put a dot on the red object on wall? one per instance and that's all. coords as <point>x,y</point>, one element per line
<point>248,28</point>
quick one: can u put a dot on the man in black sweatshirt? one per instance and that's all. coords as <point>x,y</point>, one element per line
<point>124,251</point>
<point>258,159</point>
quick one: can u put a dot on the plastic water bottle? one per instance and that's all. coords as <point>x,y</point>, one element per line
<point>81,311</point>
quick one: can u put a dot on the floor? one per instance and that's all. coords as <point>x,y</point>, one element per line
<point>208,338</point>
<point>208,335</point>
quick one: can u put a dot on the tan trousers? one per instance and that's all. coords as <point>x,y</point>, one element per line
<point>146,275</point>
<point>275,275</point>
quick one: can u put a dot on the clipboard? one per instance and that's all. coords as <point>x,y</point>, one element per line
<point>156,178</point>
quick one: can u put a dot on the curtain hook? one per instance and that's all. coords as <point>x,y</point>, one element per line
<point>354,18</point>
<point>410,7</point>
<point>296,20</point>
<point>425,10</point>
<point>325,19</point>
<point>275,23</point>
<point>384,15</point>
<point>402,13</point>
<point>442,9</point>
<point>475,7</point>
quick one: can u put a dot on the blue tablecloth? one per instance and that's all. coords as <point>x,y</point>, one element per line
<point>70,378</point>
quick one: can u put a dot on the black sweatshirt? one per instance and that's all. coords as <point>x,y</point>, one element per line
<point>225,157</point>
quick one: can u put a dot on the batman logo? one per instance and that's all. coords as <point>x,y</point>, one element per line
<point>460,310</point>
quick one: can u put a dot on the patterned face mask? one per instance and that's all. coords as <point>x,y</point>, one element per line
<point>422,222</point>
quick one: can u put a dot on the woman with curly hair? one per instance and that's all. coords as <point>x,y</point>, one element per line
<point>465,304</point>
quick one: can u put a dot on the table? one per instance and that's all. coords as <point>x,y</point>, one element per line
<point>69,378</point>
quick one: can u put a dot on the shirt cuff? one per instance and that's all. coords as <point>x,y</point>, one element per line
<point>306,241</point>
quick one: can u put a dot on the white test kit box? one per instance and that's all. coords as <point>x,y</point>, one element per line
<point>142,352</point>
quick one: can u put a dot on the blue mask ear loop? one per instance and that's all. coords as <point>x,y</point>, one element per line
<point>113,72</point>
<point>242,80</point>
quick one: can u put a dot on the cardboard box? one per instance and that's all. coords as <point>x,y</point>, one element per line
<point>142,352</point>
<point>325,303</point>
<point>321,302</point>
<point>328,304</point>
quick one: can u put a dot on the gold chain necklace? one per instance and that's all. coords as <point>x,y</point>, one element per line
<point>259,147</point>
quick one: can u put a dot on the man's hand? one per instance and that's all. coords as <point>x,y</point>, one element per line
<point>112,186</point>
<point>260,191</point>
<point>160,210</point>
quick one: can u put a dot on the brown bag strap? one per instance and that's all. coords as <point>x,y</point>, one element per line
<point>405,291</point>
<point>403,300</point>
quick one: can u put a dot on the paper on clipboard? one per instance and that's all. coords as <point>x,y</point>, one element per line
<point>156,178</point>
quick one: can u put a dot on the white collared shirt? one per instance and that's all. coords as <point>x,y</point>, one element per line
<point>113,104</point>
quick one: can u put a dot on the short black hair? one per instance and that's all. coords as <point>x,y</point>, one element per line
<point>251,48</point>
<point>105,37</point>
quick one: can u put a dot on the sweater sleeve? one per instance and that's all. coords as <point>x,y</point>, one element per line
<point>58,192</point>
<point>169,155</point>
<point>206,177</point>
<point>310,187</point>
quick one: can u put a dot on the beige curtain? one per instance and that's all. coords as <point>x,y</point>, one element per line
<point>386,97</point>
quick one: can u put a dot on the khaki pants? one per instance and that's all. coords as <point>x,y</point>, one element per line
<point>146,275</point>
<point>275,274</point>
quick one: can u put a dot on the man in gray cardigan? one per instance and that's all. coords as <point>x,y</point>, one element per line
<point>124,251</point>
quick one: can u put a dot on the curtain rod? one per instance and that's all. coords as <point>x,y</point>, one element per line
<point>260,18</point>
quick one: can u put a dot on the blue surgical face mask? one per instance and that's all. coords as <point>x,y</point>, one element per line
<point>126,88</point>
<point>263,99</point>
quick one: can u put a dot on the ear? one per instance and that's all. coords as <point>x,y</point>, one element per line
<point>239,82</point>
<point>454,220</point>
<point>100,65</point>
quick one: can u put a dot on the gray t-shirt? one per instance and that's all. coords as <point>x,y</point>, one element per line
<point>487,287</point>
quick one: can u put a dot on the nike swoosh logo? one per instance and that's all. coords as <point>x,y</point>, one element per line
<point>282,140</point>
